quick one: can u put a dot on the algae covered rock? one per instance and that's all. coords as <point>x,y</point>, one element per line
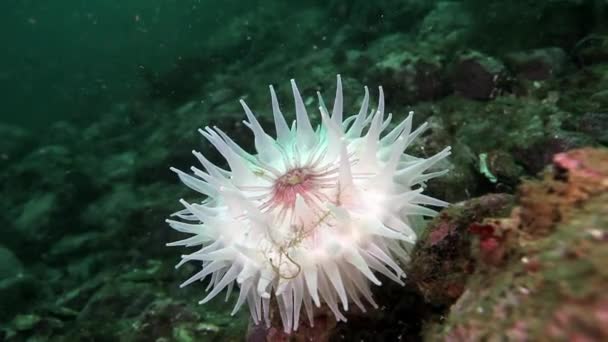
<point>18,288</point>
<point>538,64</point>
<point>14,143</point>
<point>540,272</point>
<point>442,260</point>
<point>10,265</point>
<point>478,76</point>
<point>15,284</point>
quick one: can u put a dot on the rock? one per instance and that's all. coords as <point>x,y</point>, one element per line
<point>46,168</point>
<point>321,330</point>
<point>151,272</point>
<point>220,96</point>
<point>62,133</point>
<point>442,262</point>
<point>417,76</point>
<point>447,24</point>
<point>47,187</point>
<point>207,327</point>
<point>25,322</point>
<point>74,245</point>
<point>539,64</point>
<point>17,293</point>
<point>177,322</point>
<point>461,182</point>
<point>596,125</point>
<point>478,77</point>
<point>539,272</point>
<point>502,167</point>
<point>118,166</point>
<point>535,156</point>
<point>37,212</point>
<point>15,142</point>
<point>16,286</point>
<point>10,265</point>
<point>592,50</point>
<point>36,327</point>
<point>601,98</point>
<point>113,208</point>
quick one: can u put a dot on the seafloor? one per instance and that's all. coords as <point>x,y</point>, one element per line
<point>518,89</point>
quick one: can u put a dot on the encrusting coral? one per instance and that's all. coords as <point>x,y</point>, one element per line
<point>313,215</point>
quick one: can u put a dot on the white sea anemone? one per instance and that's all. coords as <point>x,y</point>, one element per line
<point>313,215</point>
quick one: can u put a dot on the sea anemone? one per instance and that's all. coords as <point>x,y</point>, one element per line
<point>313,215</point>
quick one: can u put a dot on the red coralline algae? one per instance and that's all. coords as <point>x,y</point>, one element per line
<point>580,162</point>
<point>491,242</point>
<point>484,230</point>
<point>439,233</point>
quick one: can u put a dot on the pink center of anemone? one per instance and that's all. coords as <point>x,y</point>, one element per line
<point>312,182</point>
<point>296,181</point>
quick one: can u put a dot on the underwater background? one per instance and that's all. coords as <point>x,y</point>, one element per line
<point>100,98</point>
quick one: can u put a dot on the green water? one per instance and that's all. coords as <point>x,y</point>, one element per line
<point>76,58</point>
